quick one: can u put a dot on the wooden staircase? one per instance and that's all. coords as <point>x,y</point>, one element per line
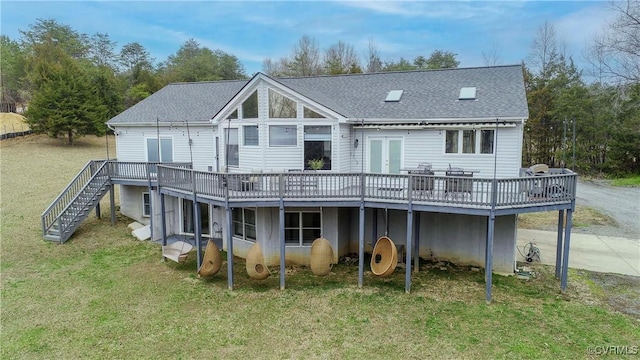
<point>76,201</point>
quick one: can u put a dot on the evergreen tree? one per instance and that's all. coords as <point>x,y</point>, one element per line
<point>66,103</point>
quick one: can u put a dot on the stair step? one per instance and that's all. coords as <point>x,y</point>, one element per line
<point>51,237</point>
<point>79,208</point>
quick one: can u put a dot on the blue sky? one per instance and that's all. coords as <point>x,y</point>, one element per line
<point>255,30</point>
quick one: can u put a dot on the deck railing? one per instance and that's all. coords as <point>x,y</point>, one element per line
<point>462,191</point>
<point>129,170</point>
<point>59,204</point>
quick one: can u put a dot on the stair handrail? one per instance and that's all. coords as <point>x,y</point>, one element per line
<point>101,171</point>
<point>53,211</point>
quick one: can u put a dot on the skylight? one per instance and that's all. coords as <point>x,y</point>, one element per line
<point>394,96</point>
<point>467,93</point>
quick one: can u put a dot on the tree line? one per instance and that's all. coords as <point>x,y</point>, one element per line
<point>587,119</point>
<point>73,83</point>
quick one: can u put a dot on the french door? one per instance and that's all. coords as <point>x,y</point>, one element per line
<point>385,155</point>
<point>188,223</point>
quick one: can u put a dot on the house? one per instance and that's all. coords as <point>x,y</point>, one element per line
<point>428,158</point>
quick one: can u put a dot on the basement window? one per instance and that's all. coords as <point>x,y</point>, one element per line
<point>146,205</point>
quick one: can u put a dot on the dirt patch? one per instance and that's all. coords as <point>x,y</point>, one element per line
<point>583,217</point>
<point>620,292</point>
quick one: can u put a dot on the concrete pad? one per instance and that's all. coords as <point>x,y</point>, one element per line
<point>143,233</point>
<point>134,226</point>
<point>589,252</point>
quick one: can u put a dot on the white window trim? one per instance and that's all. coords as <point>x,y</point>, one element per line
<point>244,224</point>
<point>225,139</point>
<point>301,227</point>
<point>244,139</point>
<point>296,102</point>
<point>241,109</point>
<point>478,140</point>
<point>144,205</point>
<point>146,147</point>
<point>181,215</point>
<point>294,126</point>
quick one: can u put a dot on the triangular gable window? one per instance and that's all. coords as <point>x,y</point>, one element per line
<point>250,107</point>
<point>234,115</point>
<point>281,107</point>
<point>310,114</point>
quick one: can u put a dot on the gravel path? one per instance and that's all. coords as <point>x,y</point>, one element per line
<point>621,203</point>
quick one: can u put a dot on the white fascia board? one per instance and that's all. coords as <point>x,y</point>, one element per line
<point>205,123</point>
<point>435,120</point>
<point>281,88</point>
<point>250,85</point>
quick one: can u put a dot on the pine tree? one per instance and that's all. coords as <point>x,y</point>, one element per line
<point>66,102</point>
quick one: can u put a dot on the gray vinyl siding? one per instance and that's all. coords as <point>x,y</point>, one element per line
<point>131,142</point>
<point>507,155</point>
<point>428,145</point>
<point>344,142</point>
<point>268,158</point>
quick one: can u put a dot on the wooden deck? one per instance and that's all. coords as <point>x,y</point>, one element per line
<point>511,195</point>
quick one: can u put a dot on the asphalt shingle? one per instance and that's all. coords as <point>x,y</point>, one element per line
<point>431,94</point>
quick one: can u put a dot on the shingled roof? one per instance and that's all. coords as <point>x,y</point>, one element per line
<point>431,94</point>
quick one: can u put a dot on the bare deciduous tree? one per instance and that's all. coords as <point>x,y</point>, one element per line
<point>374,64</point>
<point>341,58</point>
<point>492,56</point>
<point>617,51</point>
<point>305,60</point>
<point>544,50</point>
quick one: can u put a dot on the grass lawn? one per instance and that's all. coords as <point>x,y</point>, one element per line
<point>104,294</point>
<point>628,181</point>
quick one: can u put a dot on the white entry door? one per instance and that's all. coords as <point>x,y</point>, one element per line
<point>385,155</point>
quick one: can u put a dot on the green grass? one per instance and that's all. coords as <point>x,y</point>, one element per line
<point>104,294</point>
<point>628,181</point>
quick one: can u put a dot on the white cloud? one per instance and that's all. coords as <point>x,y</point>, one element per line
<point>438,9</point>
<point>579,28</point>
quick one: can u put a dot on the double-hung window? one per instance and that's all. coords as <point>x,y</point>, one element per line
<point>233,150</point>
<point>244,223</point>
<point>250,134</point>
<point>146,204</point>
<point>302,227</point>
<point>162,152</point>
<point>469,141</point>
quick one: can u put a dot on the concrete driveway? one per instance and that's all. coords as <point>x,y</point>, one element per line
<point>604,254</point>
<point>608,250</point>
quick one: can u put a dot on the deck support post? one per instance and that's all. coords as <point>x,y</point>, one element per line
<point>229,247</point>
<point>98,210</point>
<point>409,247</point>
<point>197,230</point>
<point>374,228</point>
<point>112,204</point>
<point>282,245</point>
<point>565,254</point>
<point>229,232</point>
<point>559,244</point>
<point>416,239</point>
<point>361,246</point>
<point>150,189</point>
<point>163,220</point>
<point>361,234</point>
<point>488,260</point>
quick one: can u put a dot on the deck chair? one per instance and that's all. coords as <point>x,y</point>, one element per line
<point>177,251</point>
